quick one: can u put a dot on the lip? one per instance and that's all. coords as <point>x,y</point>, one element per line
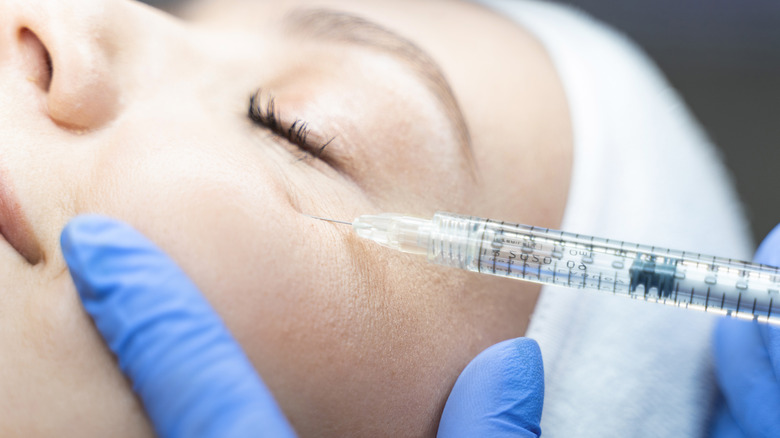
<point>14,225</point>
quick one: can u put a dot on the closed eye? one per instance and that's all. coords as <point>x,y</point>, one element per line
<point>297,133</point>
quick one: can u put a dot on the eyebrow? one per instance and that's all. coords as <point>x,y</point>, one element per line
<point>343,27</point>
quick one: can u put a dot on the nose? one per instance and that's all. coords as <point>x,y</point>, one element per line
<point>70,49</point>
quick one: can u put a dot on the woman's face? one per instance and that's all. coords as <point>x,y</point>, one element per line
<point>112,107</point>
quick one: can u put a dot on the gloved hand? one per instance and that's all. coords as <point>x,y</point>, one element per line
<point>193,378</point>
<point>747,364</point>
<point>499,394</point>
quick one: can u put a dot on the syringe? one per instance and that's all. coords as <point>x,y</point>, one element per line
<point>540,255</point>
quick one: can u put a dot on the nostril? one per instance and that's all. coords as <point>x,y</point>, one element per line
<point>37,59</point>
<point>74,72</point>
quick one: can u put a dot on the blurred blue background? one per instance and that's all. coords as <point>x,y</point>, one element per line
<point>723,56</point>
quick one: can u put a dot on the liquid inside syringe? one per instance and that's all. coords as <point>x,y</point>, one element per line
<point>540,255</point>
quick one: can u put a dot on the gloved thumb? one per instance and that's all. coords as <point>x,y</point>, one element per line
<point>191,375</point>
<point>499,394</point>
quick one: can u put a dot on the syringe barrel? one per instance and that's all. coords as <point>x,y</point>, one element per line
<point>558,258</point>
<point>478,244</point>
<point>455,240</point>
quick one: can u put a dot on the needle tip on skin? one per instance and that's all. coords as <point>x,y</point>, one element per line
<point>328,220</point>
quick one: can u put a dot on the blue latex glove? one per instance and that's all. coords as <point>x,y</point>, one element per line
<point>747,362</point>
<point>499,394</point>
<point>193,378</point>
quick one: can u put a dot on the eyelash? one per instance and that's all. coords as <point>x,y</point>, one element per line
<point>266,116</point>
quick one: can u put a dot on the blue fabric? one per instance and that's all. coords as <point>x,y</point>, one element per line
<point>747,364</point>
<point>192,376</point>
<point>499,394</point>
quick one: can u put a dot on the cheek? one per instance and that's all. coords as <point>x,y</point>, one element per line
<point>349,333</point>
<point>272,275</point>
<point>326,320</point>
<point>52,353</point>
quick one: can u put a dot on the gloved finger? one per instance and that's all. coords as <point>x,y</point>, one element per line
<point>191,375</point>
<point>499,394</point>
<point>771,337</point>
<point>769,254</point>
<point>746,377</point>
<point>724,425</point>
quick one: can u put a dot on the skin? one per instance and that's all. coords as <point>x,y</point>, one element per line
<point>142,117</point>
